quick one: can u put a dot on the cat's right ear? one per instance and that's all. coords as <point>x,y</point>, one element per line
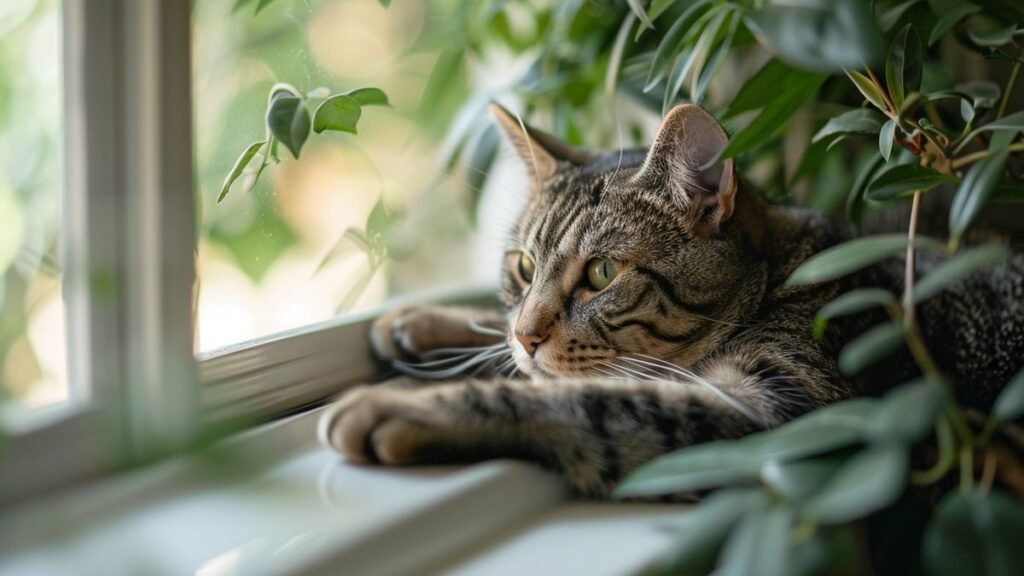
<point>541,152</point>
<point>684,159</point>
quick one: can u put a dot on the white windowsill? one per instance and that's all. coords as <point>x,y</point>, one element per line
<point>303,510</point>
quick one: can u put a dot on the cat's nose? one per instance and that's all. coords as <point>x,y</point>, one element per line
<point>529,341</point>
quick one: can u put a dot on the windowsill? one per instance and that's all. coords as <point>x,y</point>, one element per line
<point>301,509</point>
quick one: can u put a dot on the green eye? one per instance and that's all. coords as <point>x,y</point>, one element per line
<point>526,267</point>
<point>601,272</point>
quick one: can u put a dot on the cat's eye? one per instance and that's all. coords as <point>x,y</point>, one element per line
<point>601,272</point>
<point>526,267</point>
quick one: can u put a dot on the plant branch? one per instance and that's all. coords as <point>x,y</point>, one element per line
<point>1008,89</point>
<point>981,155</point>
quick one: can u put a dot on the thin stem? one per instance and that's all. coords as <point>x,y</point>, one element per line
<point>1009,89</point>
<point>909,317</point>
<point>982,154</point>
<point>947,456</point>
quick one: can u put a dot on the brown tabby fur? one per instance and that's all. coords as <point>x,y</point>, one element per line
<point>697,338</point>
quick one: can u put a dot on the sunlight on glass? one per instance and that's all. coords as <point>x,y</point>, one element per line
<point>33,369</point>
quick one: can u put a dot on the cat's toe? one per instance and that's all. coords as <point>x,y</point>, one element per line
<point>371,425</point>
<point>402,334</point>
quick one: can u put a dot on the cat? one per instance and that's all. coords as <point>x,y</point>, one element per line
<point>646,310</point>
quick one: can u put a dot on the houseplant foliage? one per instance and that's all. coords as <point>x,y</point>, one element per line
<point>909,482</point>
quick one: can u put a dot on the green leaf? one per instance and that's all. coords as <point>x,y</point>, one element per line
<point>838,261</point>
<point>950,19</point>
<point>698,467</point>
<point>989,32</point>
<point>288,121</point>
<point>673,42</point>
<point>808,437</point>
<point>759,544</point>
<point>762,87</point>
<point>855,201</point>
<point>977,186</point>
<point>696,546</point>
<point>239,167</point>
<point>1011,122</point>
<point>903,180</point>
<point>908,412</point>
<point>859,121</point>
<point>977,534</point>
<point>886,138</point>
<point>903,66</point>
<point>851,303</point>
<point>788,99</point>
<point>958,267</point>
<point>799,479</point>
<point>694,59</point>
<point>385,3</point>
<point>870,347</point>
<point>1010,403</point>
<point>641,14</point>
<point>369,97</point>
<point>868,482</point>
<point>819,35</point>
<point>340,113</point>
<point>868,89</point>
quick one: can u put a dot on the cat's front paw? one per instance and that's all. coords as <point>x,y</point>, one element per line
<point>387,425</point>
<point>405,333</point>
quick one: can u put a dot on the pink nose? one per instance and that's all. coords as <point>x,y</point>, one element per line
<point>530,342</point>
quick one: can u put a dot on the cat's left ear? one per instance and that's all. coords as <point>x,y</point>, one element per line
<point>683,160</point>
<point>542,153</point>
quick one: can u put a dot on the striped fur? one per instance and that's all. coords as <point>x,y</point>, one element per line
<point>695,339</point>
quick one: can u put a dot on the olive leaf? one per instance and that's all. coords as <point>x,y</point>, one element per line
<point>958,267</point>
<point>239,167</point>
<point>851,303</point>
<point>870,347</point>
<point>886,137</point>
<point>288,120</point>
<point>975,533</point>
<point>339,113</point>
<point>977,186</point>
<point>903,66</point>
<point>867,482</point>
<point>904,180</point>
<point>853,255</point>
<point>1010,403</point>
<point>859,121</point>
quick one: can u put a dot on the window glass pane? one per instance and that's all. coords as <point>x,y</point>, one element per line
<point>32,350</point>
<point>262,248</point>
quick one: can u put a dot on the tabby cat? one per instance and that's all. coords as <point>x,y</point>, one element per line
<point>645,305</point>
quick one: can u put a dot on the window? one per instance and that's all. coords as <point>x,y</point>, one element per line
<point>33,367</point>
<point>167,337</point>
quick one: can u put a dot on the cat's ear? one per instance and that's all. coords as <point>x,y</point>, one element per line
<point>683,160</point>
<point>541,152</point>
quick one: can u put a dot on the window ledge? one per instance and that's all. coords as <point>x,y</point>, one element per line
<point>301,509</point>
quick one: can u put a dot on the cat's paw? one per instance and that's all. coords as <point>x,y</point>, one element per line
<point>405,333</point>
<point>386,425</point>
<point>408,332</point>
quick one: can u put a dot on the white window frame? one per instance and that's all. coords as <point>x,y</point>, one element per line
<point>138,393</point>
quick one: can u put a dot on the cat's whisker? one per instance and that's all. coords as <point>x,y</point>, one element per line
<point>460,369</point>
<point>463,350</point>
<point>486,330</point>
<point>693,377</point>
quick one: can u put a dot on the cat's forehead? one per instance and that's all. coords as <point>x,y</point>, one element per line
<point>597,210</point>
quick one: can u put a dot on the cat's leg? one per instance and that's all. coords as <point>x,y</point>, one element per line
<point>407,332</point>
<point>592,432</point>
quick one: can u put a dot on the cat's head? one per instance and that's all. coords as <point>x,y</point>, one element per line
<point>632,255</point>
